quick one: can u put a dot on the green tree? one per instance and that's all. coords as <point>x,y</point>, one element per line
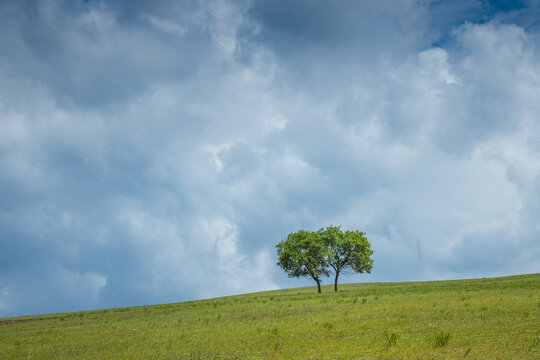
<point>303,254</point>
<point>348,251</point>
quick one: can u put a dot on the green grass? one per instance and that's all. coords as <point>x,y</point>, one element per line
<point>442,338</point>
<point>496,318</point>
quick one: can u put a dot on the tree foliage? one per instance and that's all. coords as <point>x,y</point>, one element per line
<point>317,253</point>
<point>348,251</point>
<point>303,254</point>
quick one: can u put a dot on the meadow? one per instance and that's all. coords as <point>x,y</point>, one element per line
<point>491,318</point>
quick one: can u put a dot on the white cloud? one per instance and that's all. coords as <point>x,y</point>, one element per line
<point>224,19</point>
<point>167,26</point>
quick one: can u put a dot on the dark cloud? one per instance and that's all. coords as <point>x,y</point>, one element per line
<point>87,56</point>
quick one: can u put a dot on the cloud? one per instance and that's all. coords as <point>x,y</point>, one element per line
<point>157,152</point>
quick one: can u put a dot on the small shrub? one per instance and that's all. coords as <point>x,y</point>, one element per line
<point>442,338</point>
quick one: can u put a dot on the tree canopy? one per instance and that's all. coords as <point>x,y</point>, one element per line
<point>317,253</point>
<point>348,251</point>
<point>303,254</point>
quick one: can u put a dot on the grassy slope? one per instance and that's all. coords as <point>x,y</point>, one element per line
<point>495,318</point>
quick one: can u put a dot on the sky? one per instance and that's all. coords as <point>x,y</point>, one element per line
<point>157,151</point>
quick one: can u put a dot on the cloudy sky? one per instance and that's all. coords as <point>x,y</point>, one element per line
<point>156,152</point>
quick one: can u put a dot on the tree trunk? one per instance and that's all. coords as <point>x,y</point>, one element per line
<point>335,282</point>
<point>318,285</point>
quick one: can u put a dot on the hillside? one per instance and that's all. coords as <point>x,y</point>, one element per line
<point>494,318</point>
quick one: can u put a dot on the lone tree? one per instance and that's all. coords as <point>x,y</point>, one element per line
<point>348,251</point>
<point>303,254</point>
<point>315,253</point>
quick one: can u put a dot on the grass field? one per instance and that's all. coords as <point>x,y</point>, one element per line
<point>495,318</point>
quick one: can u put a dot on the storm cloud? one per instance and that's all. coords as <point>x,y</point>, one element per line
<point>154,152</point>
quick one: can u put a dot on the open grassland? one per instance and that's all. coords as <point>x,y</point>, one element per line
<point>496,318</point>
